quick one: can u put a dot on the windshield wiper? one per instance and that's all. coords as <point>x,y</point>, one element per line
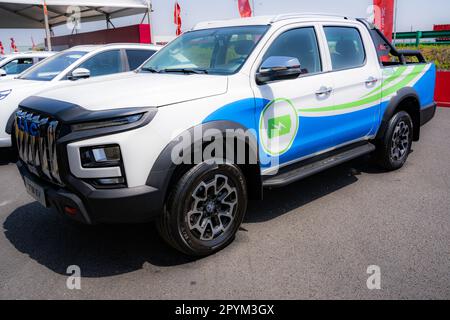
<point>152,70</point>
<point>187,71</point>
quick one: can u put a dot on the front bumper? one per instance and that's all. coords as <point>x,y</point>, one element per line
<point>94,206</point>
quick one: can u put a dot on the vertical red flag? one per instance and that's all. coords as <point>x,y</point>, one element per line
<point>177,18</point>
<point>384,16</point>
<point>45,8</point>
<point>2,49</point>
<point>244,8</point>
<point>13,46</point>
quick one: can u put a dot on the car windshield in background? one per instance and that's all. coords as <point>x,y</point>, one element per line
<point>211,51</point>
<point>51,67</point>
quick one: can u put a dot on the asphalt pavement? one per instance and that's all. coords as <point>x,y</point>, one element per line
<point>313,239</point>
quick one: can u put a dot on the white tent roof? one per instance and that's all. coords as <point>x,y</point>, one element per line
<point>29,13</point>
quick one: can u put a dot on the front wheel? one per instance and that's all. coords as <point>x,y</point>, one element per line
<point>396,144</point>
<point>204,209</point>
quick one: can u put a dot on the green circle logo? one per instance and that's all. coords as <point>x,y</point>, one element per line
<point>278,126</point>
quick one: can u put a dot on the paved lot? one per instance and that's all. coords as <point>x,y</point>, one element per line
<point>313,239</point>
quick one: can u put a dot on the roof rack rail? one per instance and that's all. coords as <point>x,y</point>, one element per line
<point>286,16</point>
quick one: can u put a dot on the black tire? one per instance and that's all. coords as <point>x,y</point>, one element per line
<point>187,213</point>
<point>394,148</point>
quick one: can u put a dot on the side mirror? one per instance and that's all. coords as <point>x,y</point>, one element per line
<point>79,73</point>
<point>3,73</point>
<point>278,68</point>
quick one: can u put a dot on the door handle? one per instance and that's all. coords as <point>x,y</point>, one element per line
<point>324,91</point>
<point>371,80</point>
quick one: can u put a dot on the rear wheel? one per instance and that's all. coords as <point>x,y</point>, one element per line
<point>394,149</point>
<point>205,209</point>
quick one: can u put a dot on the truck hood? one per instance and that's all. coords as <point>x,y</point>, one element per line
<point>131,89</point>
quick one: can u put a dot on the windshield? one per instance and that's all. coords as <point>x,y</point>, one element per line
<point>211,51</point>
<point>48,69</point>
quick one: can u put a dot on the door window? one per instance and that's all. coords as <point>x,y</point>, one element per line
<point>104,63</point>
<point>346,47</point>
<point>301,44</point>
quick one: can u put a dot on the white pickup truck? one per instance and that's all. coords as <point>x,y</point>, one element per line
<point>222,112</point>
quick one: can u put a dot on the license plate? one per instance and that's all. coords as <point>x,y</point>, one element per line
<point>36,191</point>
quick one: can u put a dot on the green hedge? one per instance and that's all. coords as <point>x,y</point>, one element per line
<point>439,54</point>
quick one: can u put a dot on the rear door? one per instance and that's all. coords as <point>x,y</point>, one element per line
<point>287,131</point>
<point>356,76</point>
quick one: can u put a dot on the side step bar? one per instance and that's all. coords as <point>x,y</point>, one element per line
<point>312,166</point>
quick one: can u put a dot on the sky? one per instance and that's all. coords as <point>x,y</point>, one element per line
<point>412,15</point>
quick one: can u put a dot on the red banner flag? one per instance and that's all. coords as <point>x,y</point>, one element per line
<point>13,46</point>
<point>244,8</point>
<point>2,49</point>
<point>384,16</point>
<point>177,18</point>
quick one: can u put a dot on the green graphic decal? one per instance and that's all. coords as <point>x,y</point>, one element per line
<point>375,97</point>
<point>398,72</point>
<point>279,126</point>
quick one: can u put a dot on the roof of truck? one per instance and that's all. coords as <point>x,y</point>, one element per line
<point>268,20</point>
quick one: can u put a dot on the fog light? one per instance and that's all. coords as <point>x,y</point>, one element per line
<point>110,181</point>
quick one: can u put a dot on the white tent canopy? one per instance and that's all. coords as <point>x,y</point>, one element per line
<point>30,13</point>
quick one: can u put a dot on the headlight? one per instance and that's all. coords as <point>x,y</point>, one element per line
<point>100,156</point>
<point>107,123</point>
<point>4,94</point>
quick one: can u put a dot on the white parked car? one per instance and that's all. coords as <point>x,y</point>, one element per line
<point>12,65</point>
<point>70,65</point>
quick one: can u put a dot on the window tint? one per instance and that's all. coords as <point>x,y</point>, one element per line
<point>104,63</point>
<point>138,57</point>
<point>301,44</point>
<point>346,47</point>
<point>17,66</point>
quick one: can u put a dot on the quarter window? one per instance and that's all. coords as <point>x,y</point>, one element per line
<point>301,44</point>
<point>138,57</point>
<point>346,47</point>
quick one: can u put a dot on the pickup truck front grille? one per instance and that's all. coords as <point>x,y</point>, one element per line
<point>36,143</point>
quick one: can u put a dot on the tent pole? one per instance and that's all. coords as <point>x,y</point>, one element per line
<point>149,15</point>
<point>47,28</point>
<point>395,22</point>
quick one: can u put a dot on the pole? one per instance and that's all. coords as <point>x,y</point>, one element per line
<point>47,28</point>
<point>150,26</point>
<point>253,5</point>
<point>395,21</point>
